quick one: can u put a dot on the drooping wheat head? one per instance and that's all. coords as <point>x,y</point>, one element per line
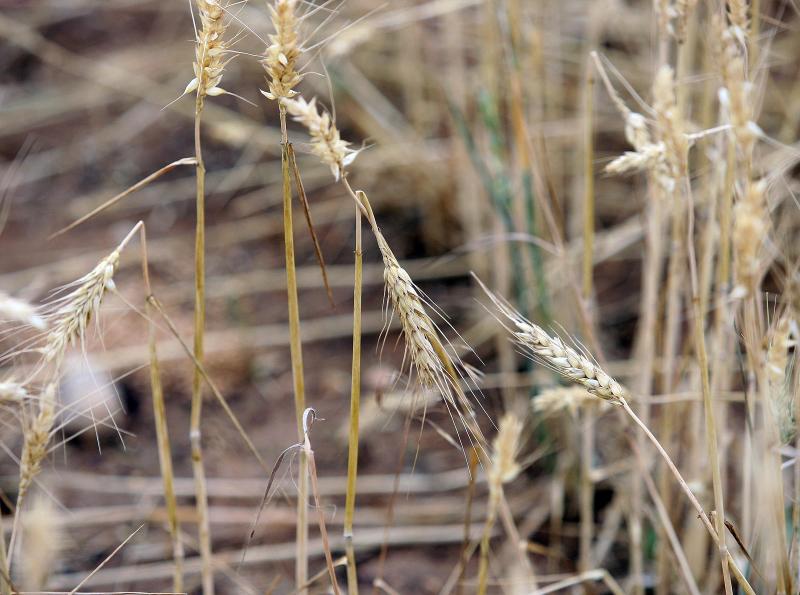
<point>210,49</point>
<point>326,143</point>
<point>558,356</point>
<point>280,57</point>
<point>72,312</point>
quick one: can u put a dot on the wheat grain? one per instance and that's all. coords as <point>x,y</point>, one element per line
<point>280,57</point>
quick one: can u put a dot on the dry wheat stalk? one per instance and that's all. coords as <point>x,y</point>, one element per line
<point>210,48</point>
<point>326,142</point>
<point>16,310</point>
<point>280,57</point>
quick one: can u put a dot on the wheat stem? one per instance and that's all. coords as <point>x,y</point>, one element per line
<point>355,401</point>
<point>201,495</point>
<point>296,351</point>
<point>162,433</point>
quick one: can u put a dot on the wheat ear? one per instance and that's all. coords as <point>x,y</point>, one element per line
<point>503,468</point>
<point>564,360</point>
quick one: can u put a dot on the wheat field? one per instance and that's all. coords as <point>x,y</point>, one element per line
<point>424,296</point>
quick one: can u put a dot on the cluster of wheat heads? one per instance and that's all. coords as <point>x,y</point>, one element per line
<point>705,483</point>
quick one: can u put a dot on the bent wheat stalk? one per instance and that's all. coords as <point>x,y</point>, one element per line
<point>577,367</point>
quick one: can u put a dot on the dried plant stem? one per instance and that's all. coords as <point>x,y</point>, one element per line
<point>295,347</point>
<point>483,560</point>
<point>162,433</point>
<point>690,495</point>
<point>355,402</point>
<point>708,406</point>
<point>672,328</point>
<point>586,490</point>
<point>312,468</point>
<point>5,569</point>
<point>588,185</point>
<point>201,495</point>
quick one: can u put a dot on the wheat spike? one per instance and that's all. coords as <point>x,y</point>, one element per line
<point>504,467</point>
<point>210,48</point>
<point>73,312</point>
<point>553,352</point>
<point>16,310</point>
<point>37,435</point>
<point>280,57</point>
<point>326,142</point>
<point>777,373</point>
<point>750,227</point>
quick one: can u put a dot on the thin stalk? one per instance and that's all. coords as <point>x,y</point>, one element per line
<point>355,403</point>
<point>301,561</point>
<point>483,564</point>
<point>308,419</point>
<point>5,571</point>
<point>708,406</point>
<point>467,547</point>
<point>701,513</point>
<point>201,494</point>
<point>588,186</point>
<point>162,434</point>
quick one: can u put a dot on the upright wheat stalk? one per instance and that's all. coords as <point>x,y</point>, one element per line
<point>280,64</point>
<point>210,48</point>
